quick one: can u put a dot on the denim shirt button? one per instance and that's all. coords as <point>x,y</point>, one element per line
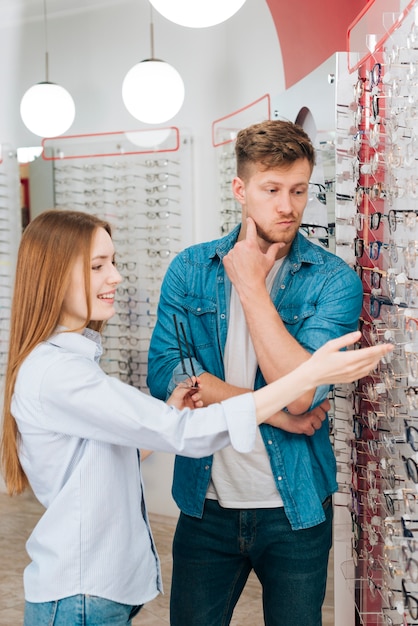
<point>270,442</point>
<point>282,286</point>
<point>223,316</point>
<point>295,317</point>
<point>198,309</point>
<point>207,467</point>
<point>279,478</point>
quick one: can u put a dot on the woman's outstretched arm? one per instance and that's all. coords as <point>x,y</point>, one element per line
<point>328,365</point>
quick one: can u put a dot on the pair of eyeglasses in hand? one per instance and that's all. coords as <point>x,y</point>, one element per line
<point>185,376</point>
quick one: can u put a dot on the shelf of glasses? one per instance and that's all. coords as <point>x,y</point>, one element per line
<point>10,232</point>
<point>372,28</point>
<point>146,196</point>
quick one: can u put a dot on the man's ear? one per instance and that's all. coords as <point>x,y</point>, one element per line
<point>238,189</point>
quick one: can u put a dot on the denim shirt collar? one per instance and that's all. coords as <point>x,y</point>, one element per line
<point>301,251</point>
<point>224,245</point>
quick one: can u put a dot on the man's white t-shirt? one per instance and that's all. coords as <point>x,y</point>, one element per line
<point>243,480</point>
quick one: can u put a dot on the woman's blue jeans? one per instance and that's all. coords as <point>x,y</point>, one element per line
<point>79,610</point>
<point>213,556</point>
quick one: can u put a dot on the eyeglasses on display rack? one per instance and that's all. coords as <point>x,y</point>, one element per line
<point>158,163</point>
<point>118,165</point>
<point>163,187</point>
<point>321,233</point>
<point>373,274</point>
<point>375,248</point>
<point>376,218</point>
<point>162,241</point>
<point>162,215</point>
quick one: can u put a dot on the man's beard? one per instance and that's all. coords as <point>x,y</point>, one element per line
<point>262,234</point>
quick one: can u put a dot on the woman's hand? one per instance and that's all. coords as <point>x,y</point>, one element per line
<point>187,395</point>
<point>330,365</point>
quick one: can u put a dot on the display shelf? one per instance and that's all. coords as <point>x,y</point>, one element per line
<point>10,232</point>
<point>377,234</point>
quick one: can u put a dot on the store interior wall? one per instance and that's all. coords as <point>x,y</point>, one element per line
<point>92,44</point>
<point>91,49</point>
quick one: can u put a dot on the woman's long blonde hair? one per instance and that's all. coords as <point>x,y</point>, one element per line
<point>49,247</point>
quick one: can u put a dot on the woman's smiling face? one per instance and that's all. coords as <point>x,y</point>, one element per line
<point>104,278</point>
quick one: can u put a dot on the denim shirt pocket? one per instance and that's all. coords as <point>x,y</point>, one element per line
<point>202,315</point>
<point>199,306</point>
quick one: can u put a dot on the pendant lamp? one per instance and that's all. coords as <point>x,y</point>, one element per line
<point>47,109</point>
<point>197,13</point>
<point>153,90</point>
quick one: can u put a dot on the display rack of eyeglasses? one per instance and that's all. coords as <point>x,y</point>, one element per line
<point>10,232</point>
<point>319,215</point>
<point>224,133</point>
<point>375,425</point>
<point>146,196</point>
<point>230,209</point>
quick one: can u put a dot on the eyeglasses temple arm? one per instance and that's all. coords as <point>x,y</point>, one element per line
<point>179,344</point>
<point>188,349</point>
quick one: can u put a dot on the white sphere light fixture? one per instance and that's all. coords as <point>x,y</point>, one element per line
<point>47,109</point>
<point>197,13</point>
<point>153,91</point>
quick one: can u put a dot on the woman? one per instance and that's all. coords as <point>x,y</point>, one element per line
<point>73,433</point>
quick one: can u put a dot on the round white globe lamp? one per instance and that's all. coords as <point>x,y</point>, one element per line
<point>197,13</point>
<point>47,109</point>
<point>153,91</point>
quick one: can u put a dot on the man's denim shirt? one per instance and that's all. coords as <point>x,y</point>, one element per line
<point>318,297</point>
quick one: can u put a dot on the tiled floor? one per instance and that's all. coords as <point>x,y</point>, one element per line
<point>19,515</point>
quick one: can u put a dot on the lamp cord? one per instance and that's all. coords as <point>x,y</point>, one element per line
<point>151,25</point>
<point>46,46</point>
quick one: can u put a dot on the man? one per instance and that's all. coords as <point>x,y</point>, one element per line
<point>254,305</point>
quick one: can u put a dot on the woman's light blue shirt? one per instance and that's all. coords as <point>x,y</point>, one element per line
<point>80,430</point>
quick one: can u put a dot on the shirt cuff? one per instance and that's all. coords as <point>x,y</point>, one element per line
<point>241,421</point>
<point>321,394</point>
<point>178,370</point>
